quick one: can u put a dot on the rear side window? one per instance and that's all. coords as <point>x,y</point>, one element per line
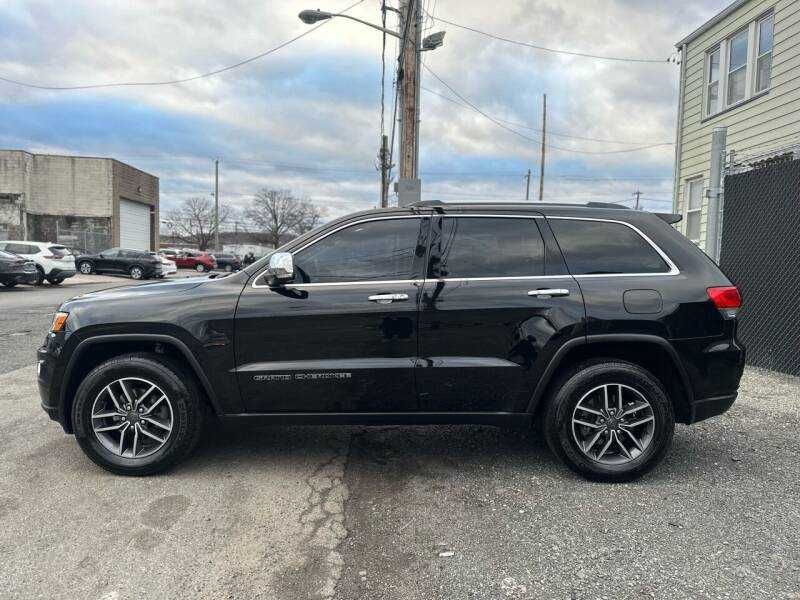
<point>602,248</point>
<point>372,251</point>
<point>490,247</point>
<point>58,251</point>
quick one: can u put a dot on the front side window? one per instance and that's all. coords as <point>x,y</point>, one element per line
<point>764,58</point>
<point>371,251</point>
<point>694,208</point>
<point>737,68</point>
<point>712,93</point>
<point>602,248</point>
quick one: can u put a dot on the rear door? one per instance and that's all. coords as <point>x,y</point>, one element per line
<point>497,304</point>
<point>343,337</point>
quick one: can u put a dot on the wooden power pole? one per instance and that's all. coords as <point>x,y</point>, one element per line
<point>528,186</point>
<point>409,81</point>
<point>544,149</point>
<point>383,157</point>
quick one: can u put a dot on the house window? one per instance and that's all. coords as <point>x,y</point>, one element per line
<point>739,67</point>
<point>694,208</point>
<point>713,81</point>
<point>764,58</point>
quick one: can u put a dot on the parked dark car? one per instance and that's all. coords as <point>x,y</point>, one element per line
<point>138,264</point>
<point>604,326</point>
<point>228,262</point>
<point>15,269</point>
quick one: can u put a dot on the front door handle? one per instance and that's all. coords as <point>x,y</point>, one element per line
<point>388,298</point>
<point>551,293</point>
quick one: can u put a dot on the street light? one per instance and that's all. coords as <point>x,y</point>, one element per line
<point>309,17</point>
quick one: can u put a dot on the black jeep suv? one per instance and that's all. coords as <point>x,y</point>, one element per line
<point>604,326</point>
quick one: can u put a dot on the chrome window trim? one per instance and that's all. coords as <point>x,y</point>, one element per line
<point>319,239</point>
<point>673,269</point>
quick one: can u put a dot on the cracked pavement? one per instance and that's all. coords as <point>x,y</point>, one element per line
<point>396,512</point>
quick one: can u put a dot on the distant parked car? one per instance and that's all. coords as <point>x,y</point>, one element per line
<point>139,264</point>
<point>53,261</point>
<point>15,269</point>
<point>195,259</point>
<point>168,266</point>
<point>228,262</point>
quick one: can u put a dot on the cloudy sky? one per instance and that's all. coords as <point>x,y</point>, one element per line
<point>307,117</point>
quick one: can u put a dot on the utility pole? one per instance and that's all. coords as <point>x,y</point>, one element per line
<point>544,149</point>
<point>409,186</point>
<point>718,142</point>
<point>216,205</point>
<point>383,157</point>
<point>528,186</point>
<point>637,194</point>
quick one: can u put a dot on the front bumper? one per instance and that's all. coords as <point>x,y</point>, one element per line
<point>46,364</point>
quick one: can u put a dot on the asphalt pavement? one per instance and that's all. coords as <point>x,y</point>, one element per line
<point>394,512</point>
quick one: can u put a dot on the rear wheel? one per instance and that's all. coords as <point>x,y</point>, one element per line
<point>228,268</point>
<point>200,268</point>
<point>55,280</point>
<point>609,421</point>
<point>137,414</point>
<point>85,267</point>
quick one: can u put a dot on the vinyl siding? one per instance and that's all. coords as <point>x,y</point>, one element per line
<point>767,122</point>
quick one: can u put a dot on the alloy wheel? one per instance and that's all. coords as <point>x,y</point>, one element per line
<point>86,268</point>
<point>132,417</point>
<point>136,272</point>
<point>613,424</point>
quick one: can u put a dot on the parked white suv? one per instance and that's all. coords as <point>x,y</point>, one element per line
<point>54,262</point>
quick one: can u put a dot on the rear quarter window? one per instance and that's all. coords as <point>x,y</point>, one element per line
<point>605,248</point>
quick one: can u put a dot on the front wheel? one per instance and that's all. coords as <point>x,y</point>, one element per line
<point>137,414</point>
<point>85,267</point>
<point>9,284</point>
<point>228,268</point>
<point>609,420</point>
<point>137,273</point>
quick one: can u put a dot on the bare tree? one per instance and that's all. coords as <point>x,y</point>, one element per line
<point>280,214</point>
<point>193,221</point>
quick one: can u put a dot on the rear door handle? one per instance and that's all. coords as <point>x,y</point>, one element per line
<point>388,298</point>
<point>552,293</point>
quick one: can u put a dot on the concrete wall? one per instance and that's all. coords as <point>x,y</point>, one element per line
<point>76,192</point>
<point>769,121</point>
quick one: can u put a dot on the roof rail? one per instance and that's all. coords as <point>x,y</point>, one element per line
<point>428,203</point>
<point>605,205</point>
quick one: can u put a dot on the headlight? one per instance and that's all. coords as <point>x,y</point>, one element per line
<point>59,322</point>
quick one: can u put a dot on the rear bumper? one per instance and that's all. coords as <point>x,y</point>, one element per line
<point>20,277</point>
<point>62,273</point>
<point>701,410</point>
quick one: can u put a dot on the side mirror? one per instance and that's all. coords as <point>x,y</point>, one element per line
<point>281,267</point>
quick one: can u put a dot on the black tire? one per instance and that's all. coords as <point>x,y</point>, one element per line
<point>200,268</point>
<point>55,280</point>
<point>85,267</point>
<point>228,268</point>
<point>184,397</point>
<point>39,276</point>
<point>9,284</point>
<point>136,272</point>
<point>566,395</point>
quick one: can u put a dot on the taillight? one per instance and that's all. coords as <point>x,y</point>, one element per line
<point>727,299</point>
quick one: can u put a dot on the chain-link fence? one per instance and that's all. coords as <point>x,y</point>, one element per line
<point>761,254</point>
<point>85,240</point>
<point>3,234</point>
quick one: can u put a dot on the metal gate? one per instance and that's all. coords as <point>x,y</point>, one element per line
<point>761,255</point>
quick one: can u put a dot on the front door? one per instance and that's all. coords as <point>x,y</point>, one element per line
<point>343,336</point>
<point>107,261</point>
<point>498,302</point>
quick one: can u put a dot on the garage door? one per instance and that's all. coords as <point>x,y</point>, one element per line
<point>134,225</point>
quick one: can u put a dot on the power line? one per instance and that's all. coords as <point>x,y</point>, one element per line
<point>552,50</point>
<point>177,81</point>
<point>536,129</point>
<point>526,137</point>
